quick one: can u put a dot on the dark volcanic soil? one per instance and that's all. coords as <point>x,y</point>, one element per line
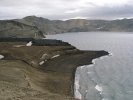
<point>40,72</point>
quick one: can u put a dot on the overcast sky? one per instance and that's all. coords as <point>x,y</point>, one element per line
<point>66,9</point>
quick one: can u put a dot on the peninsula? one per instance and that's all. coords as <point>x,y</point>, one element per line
<point>33,67</point>
<point>40,69</point>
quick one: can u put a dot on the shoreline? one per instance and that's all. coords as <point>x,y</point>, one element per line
<point>83,61</point>
<point>55,77</point>
<point>78,95</point>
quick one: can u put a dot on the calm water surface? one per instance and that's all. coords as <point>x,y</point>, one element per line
<point>111,77</point>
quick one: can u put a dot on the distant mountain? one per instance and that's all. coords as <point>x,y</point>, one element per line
<point>77,25</point>
<point>32,26</point>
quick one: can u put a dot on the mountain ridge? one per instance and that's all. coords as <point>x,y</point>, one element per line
<point>45,26</point>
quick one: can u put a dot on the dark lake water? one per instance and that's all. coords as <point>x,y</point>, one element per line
<point>110,77</point>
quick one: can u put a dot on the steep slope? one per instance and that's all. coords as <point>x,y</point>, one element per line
<point>44,25</point>
<point>58,26</point>
<point>78,25</point>
<point>11,28</point>
<point>30,25</point>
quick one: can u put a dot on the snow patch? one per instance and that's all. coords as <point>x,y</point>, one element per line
<point>44,56</point>
<point>55,56</point>
<point>1,56</point>
<point>42,62</point>
<point>29,44</point>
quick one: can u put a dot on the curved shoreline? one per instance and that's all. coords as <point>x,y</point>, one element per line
<point>55,76</point>
<point>77,94</point>
<point>83,58</point>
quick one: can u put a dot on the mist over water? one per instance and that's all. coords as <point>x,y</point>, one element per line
<point>111,77</point>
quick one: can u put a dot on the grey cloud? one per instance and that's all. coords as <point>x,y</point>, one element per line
<point>109,12</point>
<point>55,9</point>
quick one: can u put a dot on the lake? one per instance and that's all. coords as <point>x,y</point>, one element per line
<point>110,77</point>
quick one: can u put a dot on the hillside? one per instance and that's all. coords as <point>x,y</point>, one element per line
<point>40,71</point>
<point>14,29</point>
<point>77,25</point>
<point>32,26</point>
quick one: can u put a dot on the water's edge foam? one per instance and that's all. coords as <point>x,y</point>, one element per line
<point>99,88</point>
